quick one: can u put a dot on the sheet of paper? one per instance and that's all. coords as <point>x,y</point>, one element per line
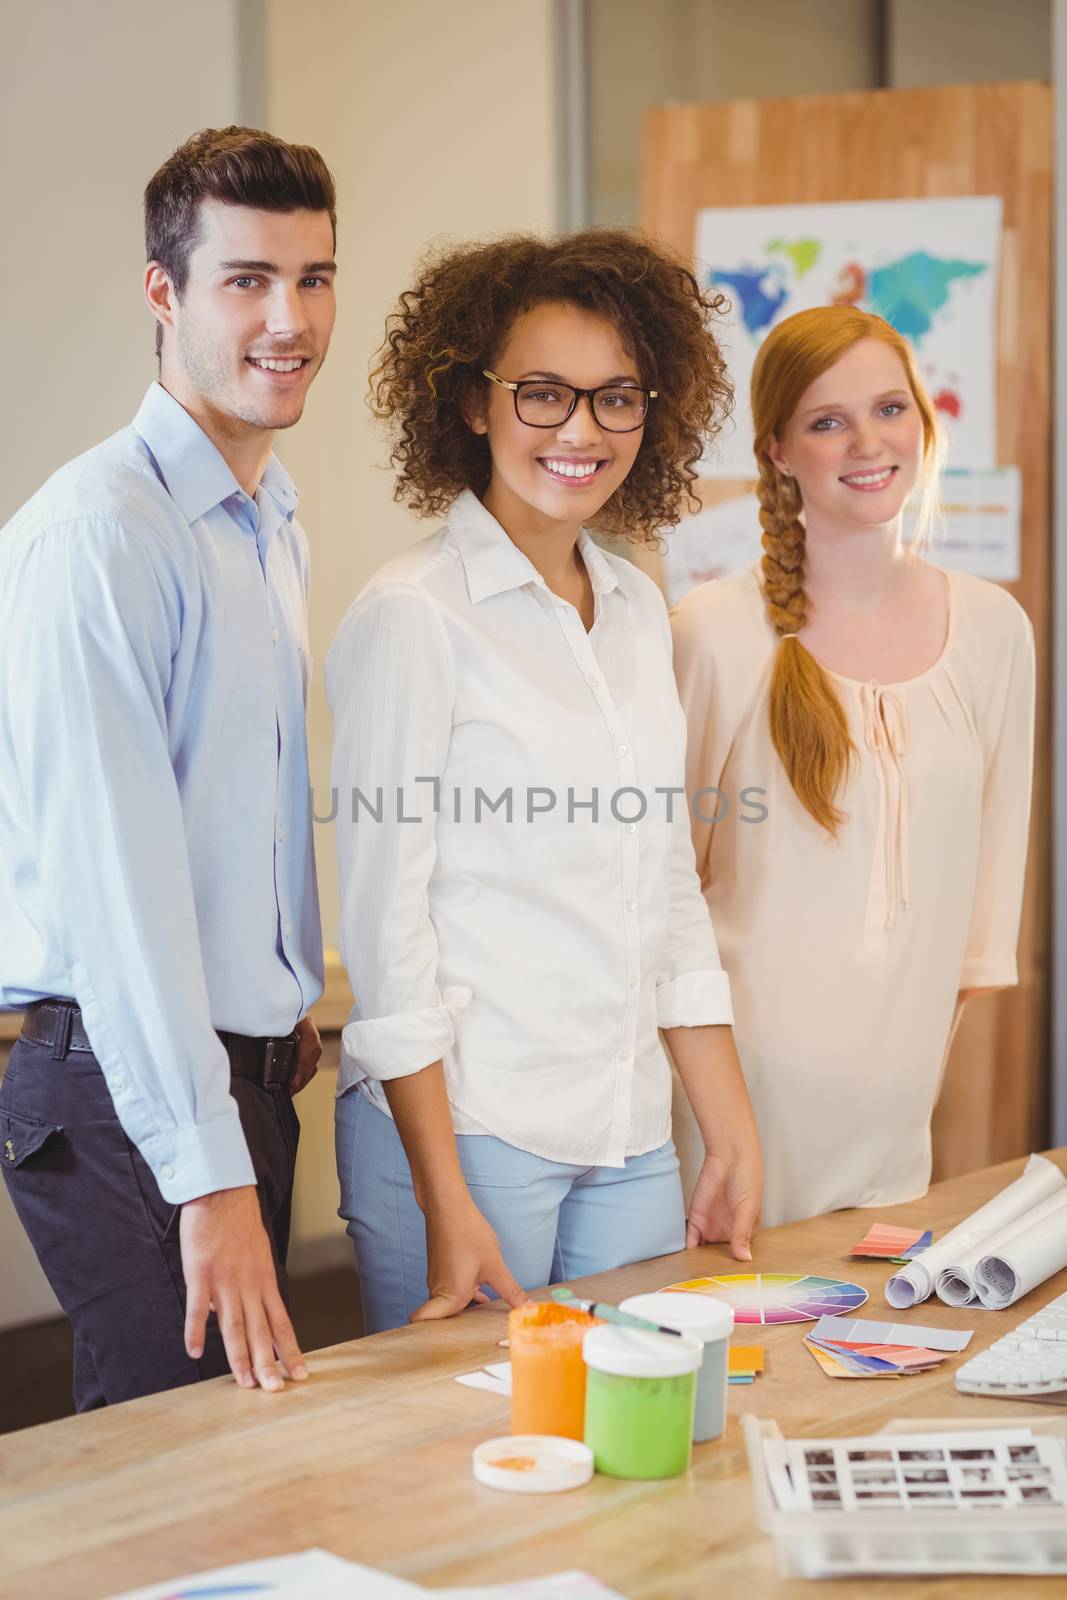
<point>722,538</point>
<point>556,1586</point>
<point>977,531</point>
<point>318,1574</point>
<point>292,1577</point>
<point>845,1328</point>
<point>496,1378</point>
<point>1028,1258</point>
<point>957,1282</point>
<point>915,1282</point>
<point>980,524</point>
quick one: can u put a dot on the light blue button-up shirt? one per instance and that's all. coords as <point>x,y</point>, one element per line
<point>156,859</point>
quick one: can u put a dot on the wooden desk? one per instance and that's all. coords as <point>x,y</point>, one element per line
<point>371,1458</point>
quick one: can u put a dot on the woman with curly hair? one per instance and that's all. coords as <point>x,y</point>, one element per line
<point>886,708</point>
<point>525,915</point>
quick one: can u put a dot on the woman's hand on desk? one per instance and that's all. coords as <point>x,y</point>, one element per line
<point>729,1191</point>
<point>725,1204</point>
<point>462,1253</point>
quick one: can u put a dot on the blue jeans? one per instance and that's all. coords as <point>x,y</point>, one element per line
<point>554,1221</point>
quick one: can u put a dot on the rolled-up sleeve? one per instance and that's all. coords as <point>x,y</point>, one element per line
<point>391,687</point>
<point>692,990</point>
<point>89,628</point>
<point>1008,741</point>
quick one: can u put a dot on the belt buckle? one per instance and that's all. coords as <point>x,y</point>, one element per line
<point>279,1060</point>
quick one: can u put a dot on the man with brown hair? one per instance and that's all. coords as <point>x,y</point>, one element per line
<point>159,920</point>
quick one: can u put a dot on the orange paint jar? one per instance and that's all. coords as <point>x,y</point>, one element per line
<point>547,1370</point>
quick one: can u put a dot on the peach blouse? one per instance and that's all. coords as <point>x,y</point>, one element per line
<point>845,957</point>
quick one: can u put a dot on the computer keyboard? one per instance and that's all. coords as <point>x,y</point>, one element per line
<point>1030,1360</point>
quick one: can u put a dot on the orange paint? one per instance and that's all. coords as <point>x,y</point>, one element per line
<point>547,1370</point>
<point>515,1463</point>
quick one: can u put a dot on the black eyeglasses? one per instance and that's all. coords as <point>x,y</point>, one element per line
<point>544,403</point>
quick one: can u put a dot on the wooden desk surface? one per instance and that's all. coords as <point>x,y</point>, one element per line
<point>371,1457</point>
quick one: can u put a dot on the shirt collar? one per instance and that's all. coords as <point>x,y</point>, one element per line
<point>196,476</point>
<point>493,564</point>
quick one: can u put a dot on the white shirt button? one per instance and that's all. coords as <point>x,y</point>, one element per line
<point>623,750</point>
<point>631,905</point>
<point>281,833</point>
<point>288,930</point>
<point>118,1083</point>
<point>275,635</point>
<point>593,681</point>
<point>167,1171</point>
<point>631,827</point>
<point>623,1059</point>
<point>634,982</point>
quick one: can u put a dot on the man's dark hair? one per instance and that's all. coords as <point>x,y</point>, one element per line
<point>240,167</point>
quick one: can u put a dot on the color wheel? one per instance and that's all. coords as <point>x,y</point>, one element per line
<point>770,1297</point>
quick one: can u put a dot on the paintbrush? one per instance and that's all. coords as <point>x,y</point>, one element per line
<point>607,1313</point>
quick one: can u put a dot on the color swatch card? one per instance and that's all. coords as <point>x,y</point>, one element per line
<point>495,1378</point>
<point>892,1244</point>
<point>909,1333</point>
<point>744,1363</point>
<point>772,1297</point>
<point>847,1359</point>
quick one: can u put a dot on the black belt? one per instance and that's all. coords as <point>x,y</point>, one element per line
<point>58,1025</point>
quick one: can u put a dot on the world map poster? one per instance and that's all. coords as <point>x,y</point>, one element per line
<point>928,266</point>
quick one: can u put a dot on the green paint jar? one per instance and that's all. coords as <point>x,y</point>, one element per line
<point>639,1397</point>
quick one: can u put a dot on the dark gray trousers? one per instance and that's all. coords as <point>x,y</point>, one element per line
<point>106,1238</point>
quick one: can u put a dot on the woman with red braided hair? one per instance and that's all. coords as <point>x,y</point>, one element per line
<point>885,709</point>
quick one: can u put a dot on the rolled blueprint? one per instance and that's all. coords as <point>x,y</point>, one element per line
<point>915,1282</point>
<point>956,1284</point>
<point>1004,1276</point>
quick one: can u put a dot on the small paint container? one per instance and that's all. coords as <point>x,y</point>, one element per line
<point>639,1399</point>
<point>547,1370</point>
<point>712,1323</point>
<point>533,1463</point>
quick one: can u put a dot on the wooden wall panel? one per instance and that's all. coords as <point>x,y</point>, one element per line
<point>906,144</point>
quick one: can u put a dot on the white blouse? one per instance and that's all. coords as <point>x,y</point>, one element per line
<point>519,893</point>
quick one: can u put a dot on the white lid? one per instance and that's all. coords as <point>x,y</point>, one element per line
<point>538,1463</point>
<point>632,1353</point>
<point>699,1314</point>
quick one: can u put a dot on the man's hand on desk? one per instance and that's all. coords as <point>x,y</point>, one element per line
<point>310,1051</point>
<point>462,1252</point>
<point>726,1202</point>
<point>228,1267</point>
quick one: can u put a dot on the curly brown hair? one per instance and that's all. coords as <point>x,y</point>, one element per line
<point>456,319</point>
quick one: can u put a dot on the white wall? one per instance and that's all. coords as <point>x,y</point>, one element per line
<point>643,55</point>
<point>438,122</point>
<point>95,95</point>
<point>416,108</point>
<point>967,41</point>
